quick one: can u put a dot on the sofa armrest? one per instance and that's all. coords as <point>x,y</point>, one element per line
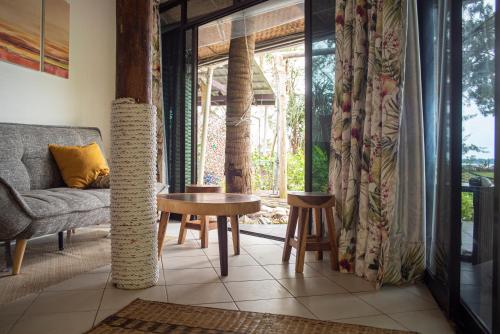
<point>15,216</point>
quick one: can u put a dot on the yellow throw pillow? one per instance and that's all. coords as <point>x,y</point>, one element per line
<point>79,165</point>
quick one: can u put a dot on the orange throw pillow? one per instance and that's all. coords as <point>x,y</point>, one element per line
<point>79,165</point>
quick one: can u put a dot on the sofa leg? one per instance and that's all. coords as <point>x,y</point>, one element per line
<point>18,255</point>
<point>60,239</point>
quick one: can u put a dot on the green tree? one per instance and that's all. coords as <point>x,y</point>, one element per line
<point>295,113</point>
<point>478,65</point>
<point>478,24</point>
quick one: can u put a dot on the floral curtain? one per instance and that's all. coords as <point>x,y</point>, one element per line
<point>370,53</point>
<point>158,90</point>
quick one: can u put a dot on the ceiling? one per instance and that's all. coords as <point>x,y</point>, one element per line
<point>262,90</point>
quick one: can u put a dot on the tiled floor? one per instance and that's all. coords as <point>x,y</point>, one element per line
<point>257,281</point>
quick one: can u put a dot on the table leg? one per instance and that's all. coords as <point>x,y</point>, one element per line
<point>182,232</point>
<point>222,232</point>
<point>162,229</point>
<point>235,229</point>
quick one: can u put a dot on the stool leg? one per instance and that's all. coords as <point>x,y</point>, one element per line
<point>235,230</point>
<point>319,230</point>
<point>332,234</point>
<point>204,221</point>
<point>182,232</point>
<point>290,232</point>
<point>302,239</point>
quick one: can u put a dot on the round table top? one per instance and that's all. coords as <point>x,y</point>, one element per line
<point>213,204</point>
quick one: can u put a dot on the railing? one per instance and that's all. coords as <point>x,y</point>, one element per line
<point>482,243</point>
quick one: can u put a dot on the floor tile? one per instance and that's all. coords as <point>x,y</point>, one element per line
<point>351,282</point>
<point>394,299</point>
<point>429,321</point>
<point>380,321</point>
<point>286,270</point>
<point>186,249</point>
<point>267,254</point>
<point>420,290</point>
<point>115,298</point>
<point>226,306</point>
<point>258,281</point>
<point>198,294</point>
<point>247,240</point>
<point>67,323</point>
<point>94,281</point>
<point>19,305</point>
<point>235,261</point>
<point>213,249</point>
<point>248,273</point>
<point>161,276</point>
<point>311,286</point>
<point>103,269</point>
<point>323,267</point>
<point>254,290</point>
<point>7,321</point>
<point>186,262</point>
<point>103,314</point>
<point>288,306</point>
<point>311,256</point>
<point>65,301</point>
<point>191,276</point>
<point>339,306</point>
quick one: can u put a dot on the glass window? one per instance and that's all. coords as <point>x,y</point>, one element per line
<point>323,85</point>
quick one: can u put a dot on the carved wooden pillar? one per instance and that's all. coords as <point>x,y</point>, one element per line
<point>133,49</point>
<point>133,151</point>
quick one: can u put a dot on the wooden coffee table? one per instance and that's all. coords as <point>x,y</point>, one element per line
<point>209,204</point>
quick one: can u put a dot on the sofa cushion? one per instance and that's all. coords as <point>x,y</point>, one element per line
<point>79,165</point>
<point>25,160</point>
<point>60,201</point>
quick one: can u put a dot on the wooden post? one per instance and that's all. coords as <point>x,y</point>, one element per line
<point>264,139</point>
<point>133,49</point>
<point>280,72</point>
<point>206,102</point>
<point>134,235</point>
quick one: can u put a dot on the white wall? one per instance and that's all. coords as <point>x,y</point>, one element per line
<point>32,97</point>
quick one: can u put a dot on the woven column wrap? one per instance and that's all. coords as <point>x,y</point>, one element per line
<point>133,198</point>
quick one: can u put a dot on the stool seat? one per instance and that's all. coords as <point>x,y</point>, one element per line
<point>203,223</point>
<point>304,199</point>
<point>302,205</point>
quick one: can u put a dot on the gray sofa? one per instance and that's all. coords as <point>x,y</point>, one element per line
<point>34,200</point>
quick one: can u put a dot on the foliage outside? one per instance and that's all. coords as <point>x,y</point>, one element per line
<point>467,207</point>
<point>263,171</point>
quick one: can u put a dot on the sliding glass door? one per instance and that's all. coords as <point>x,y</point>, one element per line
<point>478,159</point>
<point>461,112</point>
<point>321,46</point>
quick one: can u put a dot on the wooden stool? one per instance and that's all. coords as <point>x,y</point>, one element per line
<point>301,205</point>
<point>203,223</point>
